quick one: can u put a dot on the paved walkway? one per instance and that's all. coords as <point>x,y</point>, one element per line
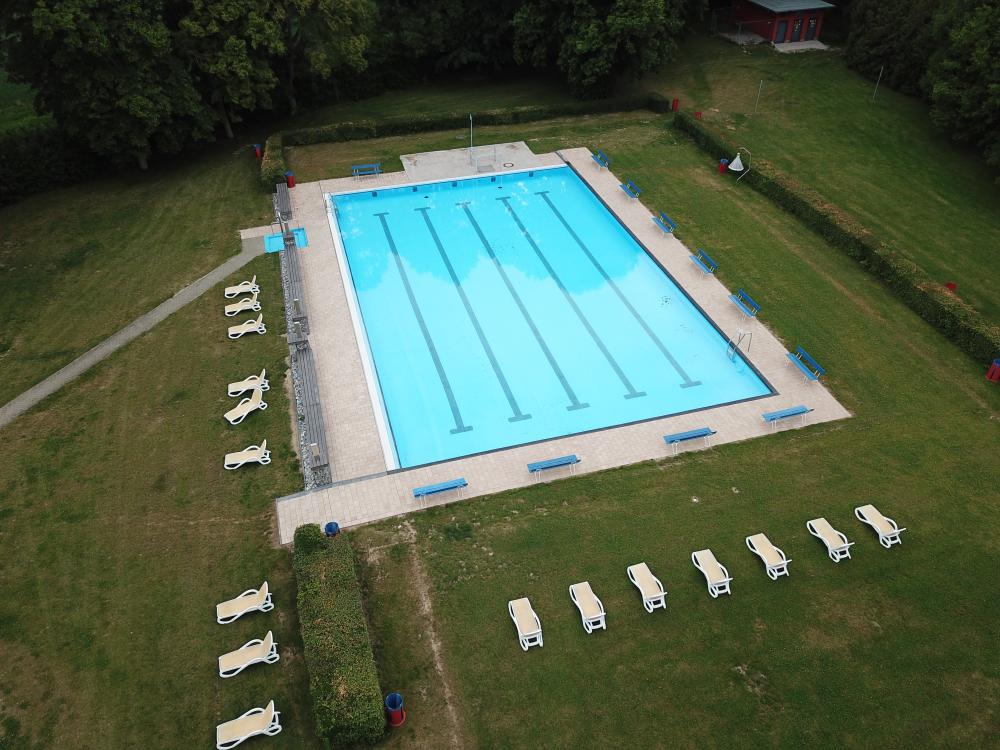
<point>252,247</point>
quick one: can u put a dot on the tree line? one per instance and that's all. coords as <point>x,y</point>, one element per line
<point>130,78</point>
<point>945,51</point>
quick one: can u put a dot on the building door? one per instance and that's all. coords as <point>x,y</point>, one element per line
<point>796,29</point>
<point>782,32</point>
<point>811,28</point>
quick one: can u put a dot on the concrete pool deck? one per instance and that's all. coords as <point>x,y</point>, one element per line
<point>363,490</point>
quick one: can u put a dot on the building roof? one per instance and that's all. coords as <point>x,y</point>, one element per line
<point>790,6</point>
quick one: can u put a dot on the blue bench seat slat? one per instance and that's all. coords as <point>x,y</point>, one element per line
<point>631,189</point>
<point>704,261</point>
<point>807,364</point>
<point>680,437</point>
<point>433,489</point>
<point>793,411</point>
<point>366,169</point>
<point>746,304</point>
<point>601,158</point>
<point>552,463</point>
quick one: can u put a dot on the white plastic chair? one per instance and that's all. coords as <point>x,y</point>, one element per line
<point>837,546</point>
<point>529,627</point>
<point>254,722</point>
<point>591,608</point>
<point>258,651</point>
<point>650,587</point>
<point>251,600</point>
<point>888,530</point>
<point>774,558</point>
<point>716,575</point>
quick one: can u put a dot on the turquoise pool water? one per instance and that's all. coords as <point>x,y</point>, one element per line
<point>506,310</point>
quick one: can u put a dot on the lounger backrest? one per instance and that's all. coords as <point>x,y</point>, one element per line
<point>262,450</point>
<point>524,616</point>
<point>586,599</point>
<point>766,550</point>
<point>710,566</point>
<point>268,643</point>
<point>645,580</point>
<point>876,519</point>
<point>262,594</point>
<point>825,530</point>
<point>255,398</point>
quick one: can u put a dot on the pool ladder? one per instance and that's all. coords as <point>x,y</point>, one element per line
<point>734,344</point>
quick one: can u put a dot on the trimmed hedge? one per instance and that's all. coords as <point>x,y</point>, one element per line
<point>957,320</point>
<point>272,164</point>
<point>38,158</point>
<point>343,680</point>
<point>362,129</point>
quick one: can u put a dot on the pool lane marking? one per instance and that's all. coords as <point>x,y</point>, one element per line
<point>625,301</point>
<point>632,392</point>
<point>575,403</point>
<point>460,426</point>
<point>518,414</point>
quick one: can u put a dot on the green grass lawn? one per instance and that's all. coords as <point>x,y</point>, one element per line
<point>121,531</point>
<point>884,163</point>
<point>17,108</point>
<point>823,657</point>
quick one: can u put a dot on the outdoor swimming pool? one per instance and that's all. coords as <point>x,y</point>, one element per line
<point>497,311</point>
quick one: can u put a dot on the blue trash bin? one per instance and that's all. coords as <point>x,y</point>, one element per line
<point>332,528</point>
<point>394,705</point>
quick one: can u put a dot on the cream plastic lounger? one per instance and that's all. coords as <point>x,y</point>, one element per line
<point>591,609</point>
<point>836,543</point>
<point>529,627</point>
<point>252,652</point>
<point>888,530</point>
<point>773,557</point>
<point>251,600</point>
<point>252,454</point>
<point>244,305</point>
<point>248,405</point>
<point>248,326</point>
<point>249,383</point>
<point>253,722</point>
<point>653,593</point>
<point>716,575</point>
<point>244,287</point>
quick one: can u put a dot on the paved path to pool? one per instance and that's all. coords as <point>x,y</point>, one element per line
<point>252,247</point>
<point>365,491</point>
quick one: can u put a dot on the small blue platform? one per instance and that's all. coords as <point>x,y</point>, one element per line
<point>273,243</point>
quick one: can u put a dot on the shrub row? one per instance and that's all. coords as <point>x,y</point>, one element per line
<point>961,323</point>
<point>343,680</point>
<point>362,129</point>
<point>272,165</point>
<point>39,157</point>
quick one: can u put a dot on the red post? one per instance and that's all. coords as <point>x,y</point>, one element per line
<point>290,179</point>
<point>675,105</point>
<point>697,115</point>
<point>951,286</point>
<point>993,375</point>
<point>257,150</point>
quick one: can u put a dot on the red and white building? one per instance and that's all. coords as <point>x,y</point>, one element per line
<point>781,21</point>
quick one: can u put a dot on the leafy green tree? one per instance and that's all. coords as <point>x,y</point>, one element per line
<point>595,42</point>
<point>897,34</point>
<point>964,75</point>
<point>323,39</point>
<point>106,70</point>
<point>231,46</point>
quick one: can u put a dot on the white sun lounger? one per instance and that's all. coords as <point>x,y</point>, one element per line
<point>252,454</point>
<point>529,627</point>
<point>716,575</point>
<point>248,405</point>
<point>243,305</point>
<point>653,593</point>
<point>251,600</point>
<point>249,383</point>
<point>244,287</point>
<point>888,530</point>
<point>836,543</point>
<point>773,557</point>
<point>253,722</point>
<point>591,609</point>
<point>256,651</point>
<point>248,326</point>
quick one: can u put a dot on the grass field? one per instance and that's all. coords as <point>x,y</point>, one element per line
<point>121,531</point>
<point>791,663</point>
<point>884,163</point>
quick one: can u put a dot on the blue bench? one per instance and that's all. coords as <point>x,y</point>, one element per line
<point>665,223</point>
<point>805,362</point>
<point>679,437</point>
<point>433,489</point>
<point>773,417</point>
<point>601,158</point>
<point>552,463</point>
<point>362,170</point>
<point>746,304</point>
<point>704,262</point>
<point>631,189</point>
